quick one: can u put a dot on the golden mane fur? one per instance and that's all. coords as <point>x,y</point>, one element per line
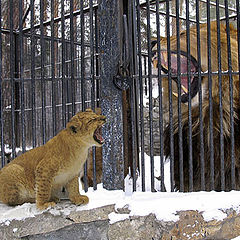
<point>205,110</point>
<point>37,175</point>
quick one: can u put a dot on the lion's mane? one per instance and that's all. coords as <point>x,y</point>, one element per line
<point>224,170</point>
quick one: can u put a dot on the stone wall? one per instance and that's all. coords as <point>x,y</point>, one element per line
<point>94,225</point>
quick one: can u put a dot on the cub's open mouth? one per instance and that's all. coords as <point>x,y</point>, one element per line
<point>193,68</point>
<point>98,136</point>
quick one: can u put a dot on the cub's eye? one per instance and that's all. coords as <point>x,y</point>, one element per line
<point>74,129</point>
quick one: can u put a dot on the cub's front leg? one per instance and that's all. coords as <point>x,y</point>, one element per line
<point>73,191</point>
<point>44,181</point>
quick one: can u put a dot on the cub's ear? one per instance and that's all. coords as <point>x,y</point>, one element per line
<point>89,110</point>
<point>73,129</point>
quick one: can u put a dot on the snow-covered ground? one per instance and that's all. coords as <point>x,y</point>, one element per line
<point>163,204</point>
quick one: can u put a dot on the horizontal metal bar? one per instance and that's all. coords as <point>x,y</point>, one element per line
<point>220,5</point>
<point>203,74</point>
<point>134,76</point>
<point>50,79</point>
<point>172,15</point>
<point>48,106</point>
<point>48,38</point>
<point>58,19</point>
<point>153,2</point>
<point>233,16</point>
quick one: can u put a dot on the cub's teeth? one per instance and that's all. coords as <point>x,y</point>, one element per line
<point>184,89</point>
<point>175,94</point>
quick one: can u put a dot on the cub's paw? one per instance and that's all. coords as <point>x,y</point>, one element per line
<point>43,206</point>
<point>55,199</point>
<point>79,200</point>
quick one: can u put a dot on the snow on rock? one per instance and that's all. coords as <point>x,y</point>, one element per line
<point>164,205</point>
<point>21,212</point>
<point>114,217</point>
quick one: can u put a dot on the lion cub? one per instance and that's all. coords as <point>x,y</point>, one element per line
<point>37,175</point>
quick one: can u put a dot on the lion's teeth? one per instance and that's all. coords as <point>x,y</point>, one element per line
<point>184,89</point>
<point>175,94</point>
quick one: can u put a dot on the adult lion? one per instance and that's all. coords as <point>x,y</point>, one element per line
<point>193,67</point>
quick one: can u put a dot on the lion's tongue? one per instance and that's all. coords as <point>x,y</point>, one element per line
<point>98,135</point>
<point>174,67</point>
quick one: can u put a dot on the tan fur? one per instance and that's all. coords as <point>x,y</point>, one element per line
<point>197,185</point>
<point>38,174</point>
<point>90,167</point>
<point>204,66</point>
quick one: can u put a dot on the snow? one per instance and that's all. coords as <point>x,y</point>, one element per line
<point>164,205</point>
<point>237,238</point>
<point>114,217</point>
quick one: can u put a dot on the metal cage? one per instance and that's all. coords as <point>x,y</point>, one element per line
<point>61,57</point>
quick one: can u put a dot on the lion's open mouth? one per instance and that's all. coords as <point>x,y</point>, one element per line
<point>98,136</point>
<point>193,68</point>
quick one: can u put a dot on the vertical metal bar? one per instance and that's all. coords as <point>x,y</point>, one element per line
<point>150,96</point>
<point>93,87</point>
<point>33,84</point>
<point>160,98</point>
<point>210,97</point>
<point>83,92</point>
<point>72,36</point>
<point>111,98</point>
<point>82,57</point>
<point>134,91</point>
<point>53,69</point>
<point>17,106</point>
<point>180,146</point>
<point>170,98</point>
<point>1,100</point>
<point>189,100</point>
<point>92,69</point>
<point>140,79</point>
<point>21,77</point>
<point>238,38</point>
<point>97,86</point>
<point>12,69</point>
<point>97,57</point>
<point>43,92</point>
<point>233,178</point>
<point>200,98</point>
<point>220,96</point>
<point>145,73</point>
<point>64,85</point>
